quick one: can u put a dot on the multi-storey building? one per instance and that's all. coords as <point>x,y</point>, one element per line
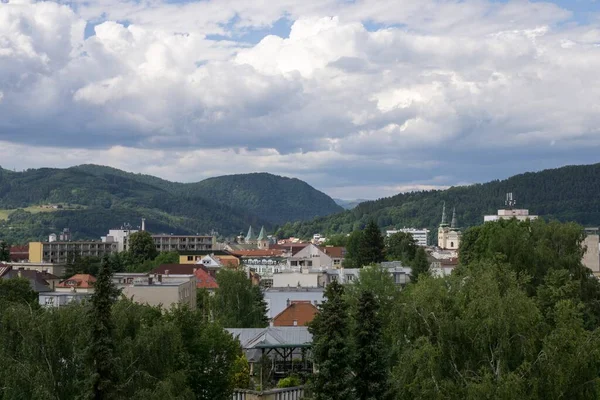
<point>183,242</point>
<point>58,252</point>
<point>421,236</point>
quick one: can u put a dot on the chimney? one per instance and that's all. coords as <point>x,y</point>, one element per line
<point>288,302</point>
<point>143,224</point>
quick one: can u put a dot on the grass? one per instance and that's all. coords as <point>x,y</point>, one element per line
<point>34,210</point>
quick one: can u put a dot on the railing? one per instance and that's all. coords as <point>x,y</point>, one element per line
<point>295,393</point>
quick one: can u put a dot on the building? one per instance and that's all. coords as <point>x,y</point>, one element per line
<point>297,313</point>
<point>80,283</point>
<point>312,256</point>
<point>120,237</point>
<point>183,242</point>
<point>306,277</point>
<point>448,235</point>
<point>421,236</point>
<point>19,253</point>
<point>61,299</point>
<point>509,212</point>
<point>167,272</point>
<point>591,257</point>
<point>39,281</point>
<point>168,293</point>
<point>58,252</point>
<point>278,299</point>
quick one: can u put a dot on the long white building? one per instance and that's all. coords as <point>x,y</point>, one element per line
<point>421,236</point>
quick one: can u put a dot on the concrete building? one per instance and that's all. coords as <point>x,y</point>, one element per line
<point>58,252</point>
<point>449,235</point>
<point>61,299</point>
<point>39,281</point>
<point>51,268</point>
<point>312,256</point>
<point>309,278</point>
<point>168,293</point>
<point>120,237</point>
<point>510,212</point>
<point>183,242</point>
<point>591,257</point>
<point>421,236</point>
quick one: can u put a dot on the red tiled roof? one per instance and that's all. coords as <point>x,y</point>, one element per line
<point>228,260</point>
<point>84,281</point>
<point>19,253</point>
<point>302,312</point>
<point>175,269</point>
<point>334,251</point>
<point>205,281</point>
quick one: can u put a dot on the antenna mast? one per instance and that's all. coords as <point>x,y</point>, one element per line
<point>510,201</point>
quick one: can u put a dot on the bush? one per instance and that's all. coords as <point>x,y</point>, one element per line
<point>290,381</point>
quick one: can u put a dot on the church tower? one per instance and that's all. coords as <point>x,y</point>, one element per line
<point>249,237</point>
<point>263,241</point>
<point>449,235</point>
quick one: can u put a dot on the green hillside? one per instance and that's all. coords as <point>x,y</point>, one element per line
<point>273,198</point>
<point>567,194</point>
<point>94,199</point>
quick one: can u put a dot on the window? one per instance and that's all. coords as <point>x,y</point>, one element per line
<point>190,258</point>
<point>451,244</point>
<point>294,263</point>
<point>349,278</point>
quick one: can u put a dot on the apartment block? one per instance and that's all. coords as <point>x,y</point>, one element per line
<point>58,252</point>
<point>165,293</point>
<point>183,242</point>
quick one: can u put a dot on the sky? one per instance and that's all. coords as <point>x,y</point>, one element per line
<point>359,98</point>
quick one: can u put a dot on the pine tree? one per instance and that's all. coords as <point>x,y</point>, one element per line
<point>4,251</point>
<point>101,349</point>
<point>370,363</point>
<point>372,245</point>
<point>331,350</point>
<point>420,264</point>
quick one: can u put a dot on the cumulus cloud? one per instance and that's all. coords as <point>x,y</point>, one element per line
<point>378,94</point>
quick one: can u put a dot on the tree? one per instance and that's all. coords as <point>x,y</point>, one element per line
<point>331,350</point>
<point>141,247</point>
<point>401,246</point>
<point>370,362</point>
<point>353,250</point>
<point>17,290</point>
<point>4,251</point>
<point>420,265</point>
<point>237,303</point>
<point>101,352</point>
<point>372,245</point>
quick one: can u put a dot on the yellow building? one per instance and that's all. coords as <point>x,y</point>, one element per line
<point>58,252</point>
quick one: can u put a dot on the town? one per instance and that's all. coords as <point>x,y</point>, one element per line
<point>291,275</point>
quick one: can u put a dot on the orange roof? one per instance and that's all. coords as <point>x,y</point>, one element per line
<point>204,280</point>
<point>84,281</point>
<point>258,253</point>
<point>334,251</point>
<point>228,260</point>
<point>302,312</point>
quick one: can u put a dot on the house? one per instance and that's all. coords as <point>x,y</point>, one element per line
<point>19,253</point>
<point>39,281</point>
<point>168,272</point>
<point>306,277</point>
<point>82,283</point>
<point>61,299</point>
<point>297,313</point>
<point>313,256</point>
<point>193,257</point>
<point>175,292</point>
<point>51,268</point>
<point>336,253</point>
<point>278,299</point>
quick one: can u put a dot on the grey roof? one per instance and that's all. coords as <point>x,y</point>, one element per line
<point>271,337</point>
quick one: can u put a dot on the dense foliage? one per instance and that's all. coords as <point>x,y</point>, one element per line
<point>518,319</point>
<point>364,247</point>
<point>94,199</point>
<point>566,194</point>
<point>112,349</point>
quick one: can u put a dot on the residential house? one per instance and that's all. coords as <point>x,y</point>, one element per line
<point>311,256</point>
<point>81,283</point>
<point>51,268</point>
<point>19,254</point>
<point>278,299</point>
<point>336,253</point>
<point>305,277</point>
<point>61,299</point>
<point>39,281</point>
<point>297,313</point>
<point>194,257</point>
<point>168,272</point>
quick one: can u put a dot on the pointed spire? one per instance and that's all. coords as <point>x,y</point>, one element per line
<point>250,235</point>
<point>262,235</point>
<point>444,215</point>
<point>453,224</point>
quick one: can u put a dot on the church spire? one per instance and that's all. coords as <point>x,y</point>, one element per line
<point>262,235</point>
<point>444,215</point>
<point>250,235</point>
<point>453,223</point>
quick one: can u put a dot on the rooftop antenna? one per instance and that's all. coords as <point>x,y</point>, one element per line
<point>510,201</point>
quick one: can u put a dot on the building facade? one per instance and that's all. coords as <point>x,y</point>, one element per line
<point>167,293</point>
<point>591,257</point>
<point>58,252</point>
<point>421,236</point>
<point>449,236</point>
<point>183,242</point>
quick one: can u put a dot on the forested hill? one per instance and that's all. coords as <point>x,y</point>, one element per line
<point>569,193</point>
<point>94,199</point>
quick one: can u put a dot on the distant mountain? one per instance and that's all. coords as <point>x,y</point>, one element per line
<point>91,199</point>
<point>570,193</point>
<point>349,204</point>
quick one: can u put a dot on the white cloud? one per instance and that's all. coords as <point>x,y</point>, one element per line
<point>356,92</point>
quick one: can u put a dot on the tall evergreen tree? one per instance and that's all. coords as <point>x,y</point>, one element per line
<point>4,251</point>
<point>370,362</point>
<point>420,264</point>
<point>331,350</point>
<point>372,244</point>
<point>101,349</point>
